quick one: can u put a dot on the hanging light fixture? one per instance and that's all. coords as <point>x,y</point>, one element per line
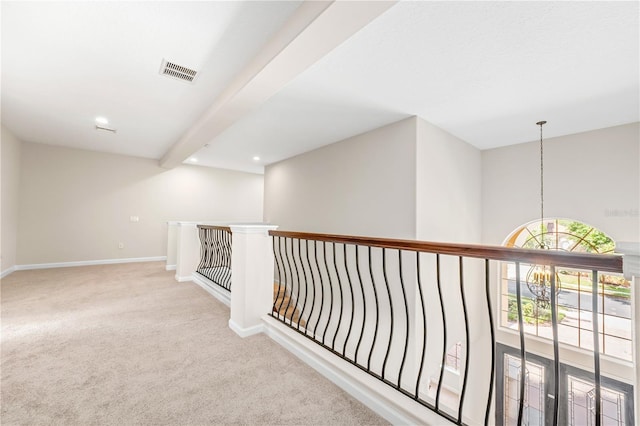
<point>539,276</point>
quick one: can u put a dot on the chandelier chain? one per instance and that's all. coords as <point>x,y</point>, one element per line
<point>542,243</point>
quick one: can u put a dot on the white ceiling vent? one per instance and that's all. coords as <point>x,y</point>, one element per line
<point>177,71</point>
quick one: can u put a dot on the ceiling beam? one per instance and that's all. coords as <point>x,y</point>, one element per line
<point>314,30</point>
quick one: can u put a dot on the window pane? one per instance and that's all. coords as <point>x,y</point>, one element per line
<point>574,289</point>
<point>533,405</point>
<point>581,404</point>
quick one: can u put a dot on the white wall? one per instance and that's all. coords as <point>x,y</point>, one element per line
<point>10,153</point>
<point>75,205</point>
<point>448,196</point>
<point>364,185</point>
<point>592,177</point>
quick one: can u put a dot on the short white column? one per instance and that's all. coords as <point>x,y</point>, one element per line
<point>251,277</point>
<point>188,250</point>
<point>172,246</point>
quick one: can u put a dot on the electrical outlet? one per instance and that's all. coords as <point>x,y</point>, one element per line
<point>120,245</point>
<point>134,218</point>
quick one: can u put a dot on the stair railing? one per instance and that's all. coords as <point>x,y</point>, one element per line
<point>215,254</point>
<point>393,308</point>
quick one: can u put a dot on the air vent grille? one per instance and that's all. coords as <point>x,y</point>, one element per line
<point>177,71</point>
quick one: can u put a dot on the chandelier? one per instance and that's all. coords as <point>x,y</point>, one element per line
<point>539,276</point>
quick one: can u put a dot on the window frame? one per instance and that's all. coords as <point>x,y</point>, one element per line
<point>564,372</point>
<point>502,305</point>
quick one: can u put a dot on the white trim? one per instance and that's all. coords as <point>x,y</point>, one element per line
<point>7,271</point>
<point>89,263</point>
<point>170,267</point>
<point>183,279</point>
<point>252,228</point>
<point>213,289</point>
<point>246,332</point>
<point>378,396</point>
<point>198,222</point>
<point>631,262</point>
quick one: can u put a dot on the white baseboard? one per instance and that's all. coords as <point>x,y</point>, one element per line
<point>89,263</point>
<point>7,271</point>
<point>170,267</point>
<point>213,289</point>
<point>246,332</point>
<point>378,396</point>
<point>183,279</point>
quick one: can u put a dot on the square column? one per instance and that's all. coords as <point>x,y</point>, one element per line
<point>252,264</point>
<point>188,250</point>
<point>172,246</point>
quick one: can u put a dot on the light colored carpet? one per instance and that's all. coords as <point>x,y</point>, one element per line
<point>126,344</point>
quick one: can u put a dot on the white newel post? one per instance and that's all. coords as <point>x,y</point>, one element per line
<point>188,250</point>
<point>172,246</point>
<point>252,277</point>
<point>631,270</point>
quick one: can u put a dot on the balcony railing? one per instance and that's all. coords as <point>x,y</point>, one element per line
<point>394,308</point>
<point>215,254</point>
<point>411,323</point>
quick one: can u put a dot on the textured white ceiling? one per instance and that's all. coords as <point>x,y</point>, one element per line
<point>483,71</point>
<point>64,63</point>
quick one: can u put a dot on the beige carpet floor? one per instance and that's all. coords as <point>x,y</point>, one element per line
<point>127,345</point>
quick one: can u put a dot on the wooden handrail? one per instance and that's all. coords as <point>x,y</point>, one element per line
<point>599,262</point>
<point>219,228</point>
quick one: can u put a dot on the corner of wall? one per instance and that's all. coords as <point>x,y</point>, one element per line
<point>362,185</point>
<point>10,153</point>
<point>448,193</point>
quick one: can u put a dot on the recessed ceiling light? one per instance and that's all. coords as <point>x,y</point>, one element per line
<point>256,158</point>
<point>193,160</point>
<point>102,120</point>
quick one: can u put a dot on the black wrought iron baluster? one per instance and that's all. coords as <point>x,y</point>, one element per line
<point>203,250</point>
<point>207,253</point>
<point>596,345</point>
<point>212,254</point>
<point>406,311</point>
<point>424,326</point>
<point>278,259</point>
<point>218,254</point>
<point>207,271</point>
<point>290,286</point>
<point>444,332</point>
<point>229,257</point>
<point>523,353</point>
<point>364,303</point>
<point>335,267</point>
<point>315,252</point>
<point>326,268</point>
<point>228,237</point>
<point>226,244</point>
<point>313,283</point>
<point>209,250</point>
<point>353,307</point>
<point>556,347</point>
<point>386,282</point>
<point>375,295</point>
<point>604,309</point>
<point>306,283</point>
<point>467,341</point>
<point>487,289</point>
<point>295,282</point>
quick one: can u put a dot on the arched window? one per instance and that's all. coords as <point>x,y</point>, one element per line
<point>574,289</point>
